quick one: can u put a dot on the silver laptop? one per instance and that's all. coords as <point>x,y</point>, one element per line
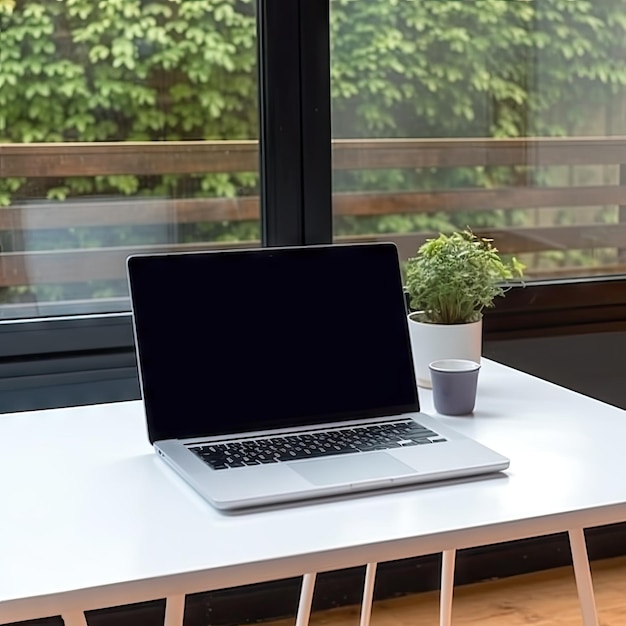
<point>282,374</point>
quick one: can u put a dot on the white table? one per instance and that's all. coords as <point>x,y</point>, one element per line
<point>91,518</point>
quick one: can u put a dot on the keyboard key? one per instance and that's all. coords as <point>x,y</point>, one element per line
<point>309,445</point>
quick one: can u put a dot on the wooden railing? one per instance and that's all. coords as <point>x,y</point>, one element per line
<point>21,266</point>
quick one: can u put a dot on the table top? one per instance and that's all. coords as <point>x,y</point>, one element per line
<point>92,517</point>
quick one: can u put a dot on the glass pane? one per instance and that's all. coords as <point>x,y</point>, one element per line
<point>504,116</point>
<point>125,126</point>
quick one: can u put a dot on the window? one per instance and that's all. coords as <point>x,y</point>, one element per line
<point>125,126</point>
<point>507,117</point>
<point>203,148</point>
<point>173,124</point>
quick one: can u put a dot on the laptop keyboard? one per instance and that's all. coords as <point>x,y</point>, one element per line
<point>317,444</point>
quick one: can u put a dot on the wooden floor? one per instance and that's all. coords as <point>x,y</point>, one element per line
<point>541,599</point>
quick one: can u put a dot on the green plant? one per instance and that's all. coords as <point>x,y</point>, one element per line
<point>454,277</point>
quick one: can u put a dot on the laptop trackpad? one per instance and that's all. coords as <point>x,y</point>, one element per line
<point>351,469</point>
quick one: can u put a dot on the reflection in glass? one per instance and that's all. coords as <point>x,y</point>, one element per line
<point>124,126</point>
<point>503,116</point>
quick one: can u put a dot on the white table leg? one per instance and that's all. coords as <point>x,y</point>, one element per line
<point>368,594</point>
<point>174,610</point>
<point>75,618</point>
<point>448,558</point>
<point>306,598</point>
<point>583,577</point>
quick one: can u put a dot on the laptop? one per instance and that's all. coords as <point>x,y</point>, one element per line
<point>279,375</point>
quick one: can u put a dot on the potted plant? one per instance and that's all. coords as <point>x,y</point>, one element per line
<point>450,281</point>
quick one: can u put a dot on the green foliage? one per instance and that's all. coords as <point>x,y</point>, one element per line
<point>494,68</point>
<point>80,70</point>
<point>123,70</point>
<point>454,277</point>
<point>419,68</point>
<point>128,70</point>
<point>7,6</point>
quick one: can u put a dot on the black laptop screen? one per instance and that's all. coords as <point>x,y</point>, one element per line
<point>248,340</point>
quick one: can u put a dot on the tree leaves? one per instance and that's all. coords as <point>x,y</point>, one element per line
<point>85,70</point>
<point>422,68</point>
<point>121,66</point>
<point>123,70</point>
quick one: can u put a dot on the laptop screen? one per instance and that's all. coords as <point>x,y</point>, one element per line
<point>239,341</point>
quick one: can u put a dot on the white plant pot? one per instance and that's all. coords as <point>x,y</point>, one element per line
<point>431,342</point>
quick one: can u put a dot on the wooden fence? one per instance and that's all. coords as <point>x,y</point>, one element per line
<point>21,266</point>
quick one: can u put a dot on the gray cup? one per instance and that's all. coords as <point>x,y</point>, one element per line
<point>454,385</point>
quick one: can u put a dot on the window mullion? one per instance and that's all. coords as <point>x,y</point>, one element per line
<point>280,122</point>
